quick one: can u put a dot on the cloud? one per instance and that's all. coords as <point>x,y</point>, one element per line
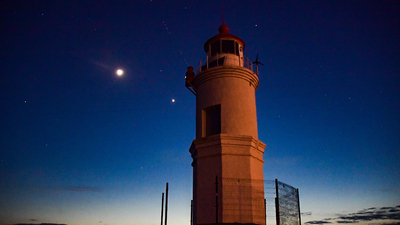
<point>83,189</point>
<point>370,214</point>
<point>317,222</point>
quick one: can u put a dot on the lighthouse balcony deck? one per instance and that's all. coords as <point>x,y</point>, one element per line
<point>225,59</point>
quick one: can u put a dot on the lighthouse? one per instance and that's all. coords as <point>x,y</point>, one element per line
<point>227,156</point>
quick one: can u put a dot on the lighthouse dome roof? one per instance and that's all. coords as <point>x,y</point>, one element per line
<point>223,33</point>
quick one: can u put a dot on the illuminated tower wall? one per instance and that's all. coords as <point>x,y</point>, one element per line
<point>227,155</point>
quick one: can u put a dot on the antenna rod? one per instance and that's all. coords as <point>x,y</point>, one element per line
<point>162,208</point>
<point>278,219</point>
<point>298,203</point>
<point>265,210</point>
<point>191,212</point>
<point>223,22</point>
<point>166,204</point>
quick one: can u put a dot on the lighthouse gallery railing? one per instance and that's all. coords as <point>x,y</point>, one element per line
<point>211,63</point>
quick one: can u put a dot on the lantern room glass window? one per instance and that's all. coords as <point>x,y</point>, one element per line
<point>224,46</point>
<point>215,48</point>
<point>228,46</point>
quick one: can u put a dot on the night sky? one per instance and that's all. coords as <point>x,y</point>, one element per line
<point>80,145</point>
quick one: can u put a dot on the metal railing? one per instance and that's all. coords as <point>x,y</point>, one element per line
<point>219,61</point>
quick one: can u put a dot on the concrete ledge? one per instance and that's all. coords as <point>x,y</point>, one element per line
<point>226,71</point>
<point>224,144</point>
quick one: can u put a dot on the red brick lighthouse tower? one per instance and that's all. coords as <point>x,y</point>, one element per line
<point>227,156</point>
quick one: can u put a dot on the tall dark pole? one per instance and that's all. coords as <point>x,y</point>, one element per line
<point>278,220</point>
<point>216,199</point>
<point>166,204</point>
<point>265,210</point>
<point>298,203</point>
<point>162,207</point>
<point>191,212</point>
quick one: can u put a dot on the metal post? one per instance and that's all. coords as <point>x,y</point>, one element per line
<point>166,204</point>
<point>162,208</point>
<point>216,199</point>
<point>191,212</point>
<point>207,61</point>
<point>265,210</point>
<point>278,220</point>
<point>298,203</point>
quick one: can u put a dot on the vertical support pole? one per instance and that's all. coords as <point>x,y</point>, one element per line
<point>298,203</point>
<point>200,65</point>
<point>278,220</point>
<point>207,60</point>
<point>166,204</point>
<point>191,212</point>
<point>265,210</point>
<point>217,59</point>
<point>162,208</point>
<point>216,199</point>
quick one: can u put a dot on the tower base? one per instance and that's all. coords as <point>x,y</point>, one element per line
<point>228,180</point>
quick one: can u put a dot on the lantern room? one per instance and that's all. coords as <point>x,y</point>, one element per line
<point>224,49</point>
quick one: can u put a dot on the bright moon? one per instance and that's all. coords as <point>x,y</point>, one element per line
<point>120,72</point>
<point>173,100</point>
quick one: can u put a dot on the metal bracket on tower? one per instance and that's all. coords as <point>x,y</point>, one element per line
<point>189,78</point>
<point>191,88</point>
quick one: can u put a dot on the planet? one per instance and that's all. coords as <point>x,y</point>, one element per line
<point>120,72</point>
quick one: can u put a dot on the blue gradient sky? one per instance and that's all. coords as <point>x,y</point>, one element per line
<point>80,145</point>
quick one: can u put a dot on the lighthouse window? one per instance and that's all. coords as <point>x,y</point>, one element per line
<point>228,46</point>
<point>236,48</point>
<point>212,121</point>
<point>215,48</point>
